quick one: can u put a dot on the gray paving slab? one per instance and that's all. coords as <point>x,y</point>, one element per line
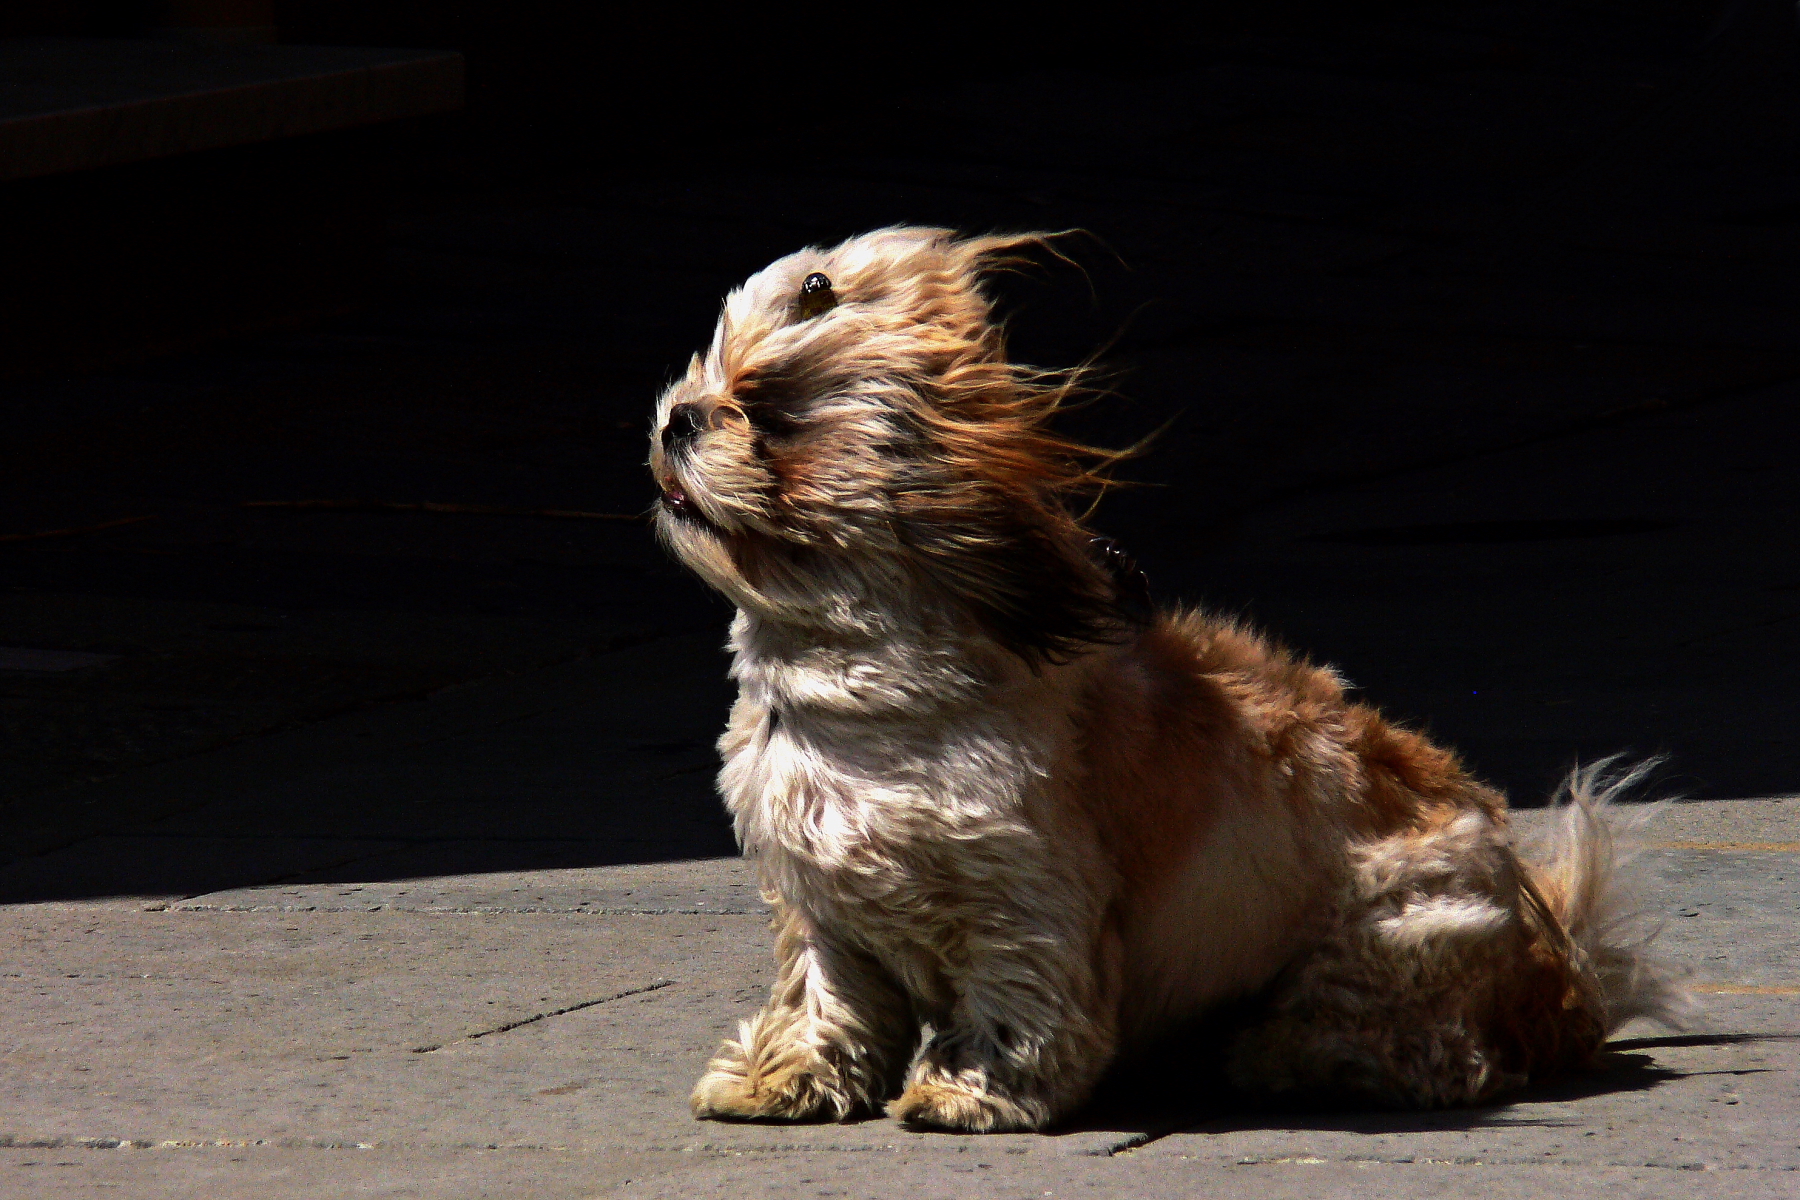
<point>227,1171</point>
<point>254,1172</point>
<point>1302,1178</point>
<point>1732,917</point>
<point>710,885</point>
<point>256,1043</point>
<point>357,1027</point>
<point>387,1029</point>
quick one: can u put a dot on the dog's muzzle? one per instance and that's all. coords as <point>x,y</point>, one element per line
<point>679,431</point>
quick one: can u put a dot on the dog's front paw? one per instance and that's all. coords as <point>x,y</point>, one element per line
<point>734,1089</point>
<point>966,1106</point>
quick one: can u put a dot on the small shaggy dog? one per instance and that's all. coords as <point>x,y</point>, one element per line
<point>1001,807</point>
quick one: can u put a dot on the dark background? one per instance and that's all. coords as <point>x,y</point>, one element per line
<point>1472,326</point>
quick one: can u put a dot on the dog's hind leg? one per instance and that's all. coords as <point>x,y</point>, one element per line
<point>832,1042</point>
<point>1417,995</point>
<point>1457,970</point>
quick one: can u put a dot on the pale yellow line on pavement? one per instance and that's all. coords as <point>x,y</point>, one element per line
<point>1767,847</point>
<point>1743,989</point>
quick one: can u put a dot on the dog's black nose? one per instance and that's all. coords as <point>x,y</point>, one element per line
<point>684,423</point>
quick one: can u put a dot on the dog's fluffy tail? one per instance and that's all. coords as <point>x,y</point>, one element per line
<point>1582,871</point>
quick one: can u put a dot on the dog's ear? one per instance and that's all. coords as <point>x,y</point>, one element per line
<point>988,523</point>
<point>1021,574</point>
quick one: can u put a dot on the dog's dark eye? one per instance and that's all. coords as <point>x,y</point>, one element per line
<point>816,297</point>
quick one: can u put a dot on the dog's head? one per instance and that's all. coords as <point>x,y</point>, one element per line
<point>854,445</point>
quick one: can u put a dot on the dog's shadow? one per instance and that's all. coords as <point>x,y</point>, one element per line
<point>1181,1087</point>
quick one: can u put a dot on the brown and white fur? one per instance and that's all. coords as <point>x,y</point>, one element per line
<point>994,809</point>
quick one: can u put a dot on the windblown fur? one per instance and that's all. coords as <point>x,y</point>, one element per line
<point>1012,825</point>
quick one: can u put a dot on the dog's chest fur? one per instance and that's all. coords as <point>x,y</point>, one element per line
<point>895,791</point>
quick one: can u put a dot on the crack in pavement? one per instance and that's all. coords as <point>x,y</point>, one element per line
<point>1138,1141</point>
<point>555,1012</point>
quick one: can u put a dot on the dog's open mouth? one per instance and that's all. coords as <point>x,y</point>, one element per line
<point>677,502</point>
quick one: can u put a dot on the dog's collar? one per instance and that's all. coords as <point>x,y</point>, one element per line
<point>1131,587</point>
